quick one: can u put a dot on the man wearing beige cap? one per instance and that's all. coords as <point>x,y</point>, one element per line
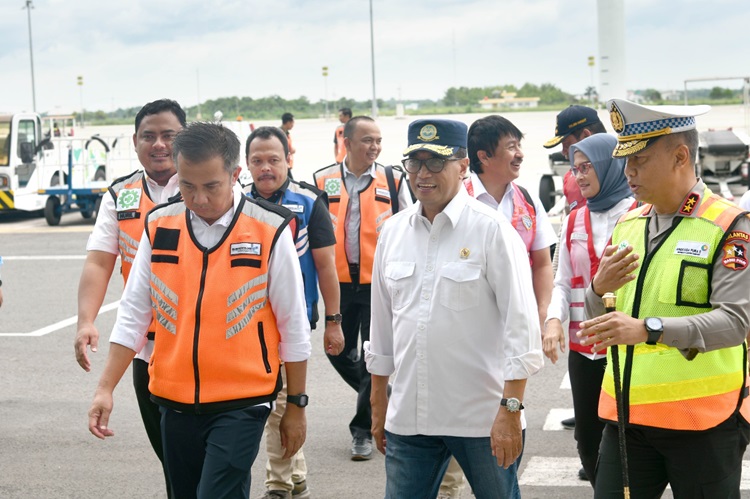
<point>679,267</point>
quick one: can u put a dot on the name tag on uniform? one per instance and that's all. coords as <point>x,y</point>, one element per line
<point>383,192</point>
<point>692,248</point>
<point>579,236</point>
<point>294,208</point>
<point>244,249</point>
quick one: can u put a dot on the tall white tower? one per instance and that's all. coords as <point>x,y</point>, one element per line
<point>611,17</point>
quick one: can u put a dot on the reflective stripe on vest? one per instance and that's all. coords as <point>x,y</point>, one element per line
<point>663,389</point>
<point>217,343</point>
<point>374,207</point>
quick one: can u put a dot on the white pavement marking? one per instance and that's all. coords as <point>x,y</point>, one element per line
<point>45,257</point>
<point>563,472</point>
<point>64,323</point>
<point>565,385</point>
<point>554,418</point>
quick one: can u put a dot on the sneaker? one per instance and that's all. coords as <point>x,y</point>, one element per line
<point>300,490</point>
<point>361,448</point>
<point>569,424</point>
<point>277,494</point>
<point>582,475</point>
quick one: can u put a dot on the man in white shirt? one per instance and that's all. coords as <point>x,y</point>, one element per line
<point>118,228</point>
<point>219,274</point>
<point>453,325</point>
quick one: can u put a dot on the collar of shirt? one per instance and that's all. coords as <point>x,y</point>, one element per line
<point>698,189</point>
<point>370,171</point>
<point>159,193</point>
<point>452,210</point>
<point>275,197</point>
<point>481,194</point>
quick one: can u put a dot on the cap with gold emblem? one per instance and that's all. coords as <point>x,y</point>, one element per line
<point>440,137</point>
<point>571,120</point>
<point>639,126</point>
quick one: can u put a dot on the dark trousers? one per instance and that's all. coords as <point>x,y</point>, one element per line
<point>701,464</point>
<point>209,456</point>
<point>350,363</point>
<point>586,384</point>
<point>149,413</point>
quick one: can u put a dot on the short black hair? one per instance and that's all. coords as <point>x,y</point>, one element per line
<point>202,140</point>
<point>286,118</point>
<point>265,133</point>
<point>159,106</point>
<point>351,125</point>
<point>346,111</point>
<point>484,135</point>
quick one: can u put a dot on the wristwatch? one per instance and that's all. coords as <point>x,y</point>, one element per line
<point>512,404</point>
<point>298,400</point>
<point>654,328</point>
<point>335,318</point>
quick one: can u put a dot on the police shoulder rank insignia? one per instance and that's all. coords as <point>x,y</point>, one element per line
<point>690,203</point>
<point>428,133</point>
<point>128,199</point>
<point>332,186</point>
<point>618,123</point>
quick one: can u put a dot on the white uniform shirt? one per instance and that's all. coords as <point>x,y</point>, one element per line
<point>106,233</point>
<point>745,201</point>
<point>602,226</point>
<point>286,298</point>
<point>453,317</point>
<point>545,233</point>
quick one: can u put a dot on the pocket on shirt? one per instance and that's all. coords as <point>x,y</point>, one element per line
<point>397,275</point>
<point>459,285</point>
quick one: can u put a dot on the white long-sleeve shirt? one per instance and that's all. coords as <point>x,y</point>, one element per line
<point>453,317</point>
<point>285,290</point>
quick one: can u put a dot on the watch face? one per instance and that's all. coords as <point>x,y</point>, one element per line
<point>513,405</point>
<point>654,324</point>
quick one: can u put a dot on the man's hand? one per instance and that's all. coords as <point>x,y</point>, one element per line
<point>615,269</point>
<point>614,328</point>
<point>87,335</point>
<point>293,429</point>
<point>99,413</point>
<point>553,337</point>
<point>333,339</point>
<point>379,406</point>
<point>506,437</point>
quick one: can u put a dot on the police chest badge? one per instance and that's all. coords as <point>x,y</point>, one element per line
<point>428,133</point>
<point>128,199</point>
<point>332,186</point>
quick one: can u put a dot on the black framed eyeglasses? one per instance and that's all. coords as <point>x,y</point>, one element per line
<point>435,165</point>
<point>583,168</point>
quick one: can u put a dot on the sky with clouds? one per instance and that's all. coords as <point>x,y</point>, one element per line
<point>136,51</point>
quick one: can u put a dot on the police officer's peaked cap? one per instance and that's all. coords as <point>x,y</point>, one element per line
<point>440,137</point>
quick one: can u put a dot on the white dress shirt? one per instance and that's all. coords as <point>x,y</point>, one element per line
<point>453,317</point>
<point>286,298</point>
<point>106,234</point>
<point>602,226</point>
<point>545,234</point>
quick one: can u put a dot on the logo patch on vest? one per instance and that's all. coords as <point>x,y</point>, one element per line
<point>579,236</point>
<point>244,249</point>
<point>735,256</point>
<point>692,248</point>
<point>527,222</point>
<point>690,203</point>
<point>129,199</point>
<point>294,208</point>
<point>332,186</point>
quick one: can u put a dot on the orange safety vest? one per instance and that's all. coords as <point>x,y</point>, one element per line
<point>217,343</point>
<point>341,148</point>
<point>131,207</point>
<point>375,209</point>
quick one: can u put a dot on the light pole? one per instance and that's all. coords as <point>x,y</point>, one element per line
<point>29,5</point>
<point>83,112</point>
<point>325,89</point>
<point>372,58</point>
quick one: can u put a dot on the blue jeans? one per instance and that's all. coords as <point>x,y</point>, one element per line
<point>415,464</point>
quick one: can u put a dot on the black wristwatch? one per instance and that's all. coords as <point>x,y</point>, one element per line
<point>298,400</point>
<point>335,318</point>
<point>654,328</point>
<point>512,404</point>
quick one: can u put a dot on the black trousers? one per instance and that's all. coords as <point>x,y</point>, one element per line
<point>149,413</point>
<point>350,363</point>
<point>705,464</point>
<point>586,383</point>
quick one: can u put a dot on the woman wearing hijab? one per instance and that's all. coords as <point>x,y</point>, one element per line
<point>584,235</point>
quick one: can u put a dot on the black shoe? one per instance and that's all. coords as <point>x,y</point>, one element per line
<point>569,424</point>
<point>582,475</point>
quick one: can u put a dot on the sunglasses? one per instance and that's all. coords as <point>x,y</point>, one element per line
<point>435,165</point>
